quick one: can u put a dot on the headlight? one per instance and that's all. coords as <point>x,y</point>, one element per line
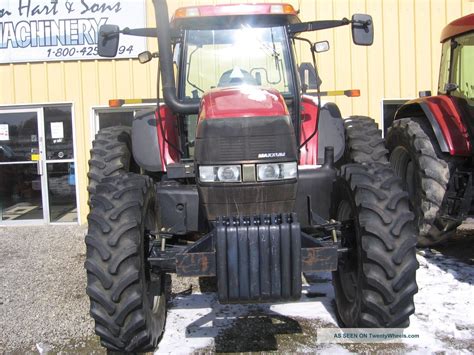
<point>222,173</point>
<point>277,171</point>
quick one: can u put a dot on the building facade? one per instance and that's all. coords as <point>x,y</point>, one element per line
<point>54,99</point>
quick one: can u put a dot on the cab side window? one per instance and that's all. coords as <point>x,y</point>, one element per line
<point>444,68</point>
<point>463,69</point>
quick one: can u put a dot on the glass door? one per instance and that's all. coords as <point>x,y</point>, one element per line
<point>59,164</point>
<point>37,170</point>
<point>22,188</point>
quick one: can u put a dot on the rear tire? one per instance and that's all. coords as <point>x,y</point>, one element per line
<point>375,281</point>
<point>413,157</point>
<point>364,142</point>
<point>128,300</point>
<point>111,155</point>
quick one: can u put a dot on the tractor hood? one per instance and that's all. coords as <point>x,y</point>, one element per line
<point>242,101</point>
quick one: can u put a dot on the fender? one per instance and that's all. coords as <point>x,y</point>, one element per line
<point>331,126</point>
<point>444,118</point>
<point>150,150</point>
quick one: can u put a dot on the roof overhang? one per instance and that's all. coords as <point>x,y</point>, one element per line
<point>457,27</point>
<point>230,15</point>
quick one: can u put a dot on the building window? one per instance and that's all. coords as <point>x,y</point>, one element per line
<point>37,165</point>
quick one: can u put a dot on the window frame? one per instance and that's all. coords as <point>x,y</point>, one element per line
<point>287,75</point>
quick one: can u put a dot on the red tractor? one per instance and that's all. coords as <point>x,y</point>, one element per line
<point>243,177</point>
<point>431,140</point>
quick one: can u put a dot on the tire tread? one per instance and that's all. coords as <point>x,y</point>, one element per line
<point>387,251</point>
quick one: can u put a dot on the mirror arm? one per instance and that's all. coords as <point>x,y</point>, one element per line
<point>323,25</point>
<point>141,32</point>
<point>317,25</point>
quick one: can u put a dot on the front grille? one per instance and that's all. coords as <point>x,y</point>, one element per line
<point>236,140</point>
<point>242,148</point>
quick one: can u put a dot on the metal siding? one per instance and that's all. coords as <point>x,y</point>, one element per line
<point>403,60</point>
<point>359,61</point>
<point>375,63</point>
<point>407,47</point>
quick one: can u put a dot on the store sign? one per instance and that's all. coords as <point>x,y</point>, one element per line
<point>57,30</point>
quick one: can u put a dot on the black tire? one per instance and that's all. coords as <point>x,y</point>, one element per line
<point>364,142</point>
<point>414,157</point>
<point>111,155</point>
<point>128,301</point>
<point>376,278</point>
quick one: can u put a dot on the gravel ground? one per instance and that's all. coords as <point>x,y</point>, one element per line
<point>43,282</point>
<point>43,305</point>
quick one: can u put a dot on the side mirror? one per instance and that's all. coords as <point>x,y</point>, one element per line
<point>145,57</point>
<point>362,29</point>
<point>108,40</point>
<point>308,76</point>
<point>320,47</point>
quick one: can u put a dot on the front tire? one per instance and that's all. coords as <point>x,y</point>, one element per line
<point>413,157</point>
<point>128,300</point>
<point>375,280</point>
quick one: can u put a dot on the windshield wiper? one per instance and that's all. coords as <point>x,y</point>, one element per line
<point>189,67</point>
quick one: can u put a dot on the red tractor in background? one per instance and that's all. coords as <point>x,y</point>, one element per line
<point>242,176</point>
<point>431,140</point>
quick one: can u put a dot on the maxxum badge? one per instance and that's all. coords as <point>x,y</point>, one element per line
<point>271,155</point>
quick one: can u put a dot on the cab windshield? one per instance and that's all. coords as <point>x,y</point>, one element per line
<point>234,57</point>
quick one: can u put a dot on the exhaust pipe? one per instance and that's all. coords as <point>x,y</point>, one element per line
<point>166,62</point>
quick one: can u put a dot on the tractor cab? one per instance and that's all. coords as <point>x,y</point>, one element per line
<point>234,45</point>
<point>456,77</point>
<point>250,47</point>
<point>223,52</point>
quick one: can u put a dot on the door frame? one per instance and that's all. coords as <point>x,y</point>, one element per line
<point>39,107</point>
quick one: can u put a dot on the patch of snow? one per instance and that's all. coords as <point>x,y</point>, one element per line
<point>444,304</point>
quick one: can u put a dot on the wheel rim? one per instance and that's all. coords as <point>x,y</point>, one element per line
<point>150,277</point>
<point>404,167</point>
<point>348,268</point>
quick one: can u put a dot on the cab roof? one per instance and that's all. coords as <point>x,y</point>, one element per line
<point>232,15</point>
<point>457,27</point>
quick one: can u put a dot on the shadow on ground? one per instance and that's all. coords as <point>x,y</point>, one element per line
<point>452,256</point>
<point>256,332</point>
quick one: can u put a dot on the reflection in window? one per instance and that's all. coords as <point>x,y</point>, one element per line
<point>19,136</point>
<point>243,56</point>
<point>20,192</point>
<point>62,192</point>
<point>58,130</point>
